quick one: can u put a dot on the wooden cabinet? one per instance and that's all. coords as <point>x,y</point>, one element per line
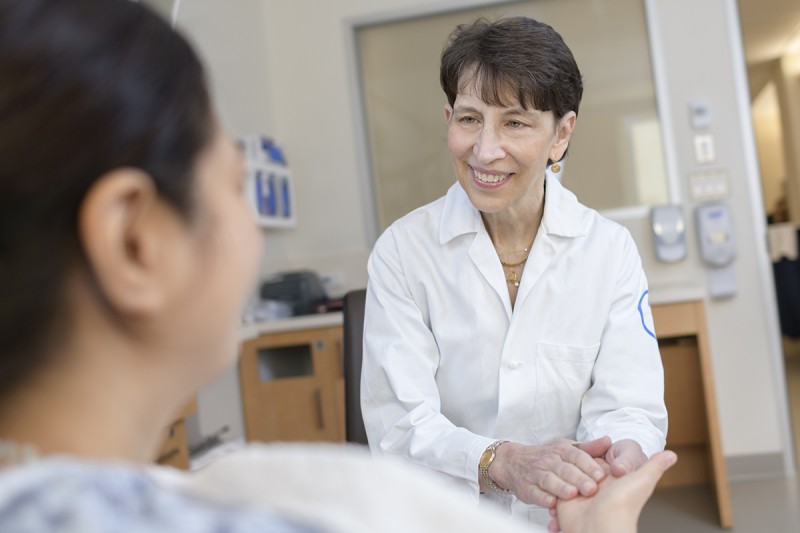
<point>293,386</point>
<point>174,449</point>
<point>691,402</point>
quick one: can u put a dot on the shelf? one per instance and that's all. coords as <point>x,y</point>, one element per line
<point>276,222</point>
<point>268,187</point>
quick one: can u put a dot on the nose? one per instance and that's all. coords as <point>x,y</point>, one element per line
<point>488,146</point>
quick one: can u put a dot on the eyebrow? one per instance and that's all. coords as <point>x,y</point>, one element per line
<point>534,113</point>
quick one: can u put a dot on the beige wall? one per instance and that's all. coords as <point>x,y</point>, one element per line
<point>307,105</point>
<point>787,79</point>
<point>769,139</point>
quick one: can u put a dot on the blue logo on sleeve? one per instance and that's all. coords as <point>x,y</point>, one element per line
<point>645,324</point>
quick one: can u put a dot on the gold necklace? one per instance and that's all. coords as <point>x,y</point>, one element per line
<point>513,278</point>
<point>513,265</point>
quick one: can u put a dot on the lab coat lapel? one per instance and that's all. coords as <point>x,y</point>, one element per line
<point>484,257</point>
<point>459,218</point>
<point>562,221</point>
<point>542,254</point>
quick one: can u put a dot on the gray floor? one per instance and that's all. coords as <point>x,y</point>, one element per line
<point>767,506</point>
<point>764,506</point>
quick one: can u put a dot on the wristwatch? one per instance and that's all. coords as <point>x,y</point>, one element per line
<point>487,458</point>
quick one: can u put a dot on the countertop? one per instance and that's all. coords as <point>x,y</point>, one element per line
<point>322,320</point>
<point>659,294</point>
<point>675,293</point>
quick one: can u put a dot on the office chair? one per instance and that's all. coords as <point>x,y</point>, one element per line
<point>353,344</point>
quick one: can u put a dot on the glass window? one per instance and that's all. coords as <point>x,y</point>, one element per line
<point>615,158</point>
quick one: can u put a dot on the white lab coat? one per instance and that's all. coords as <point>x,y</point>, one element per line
<point>449,368</point>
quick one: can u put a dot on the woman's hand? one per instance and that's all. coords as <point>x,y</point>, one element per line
<point>543,474</point>
<point>618,503</point>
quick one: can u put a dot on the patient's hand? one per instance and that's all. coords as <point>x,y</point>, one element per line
<point>616,506</point>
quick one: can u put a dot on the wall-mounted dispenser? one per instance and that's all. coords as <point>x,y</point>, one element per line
<point>669,232</point>
<point>717,247</point>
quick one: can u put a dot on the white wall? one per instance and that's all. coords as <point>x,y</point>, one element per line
<point>307,106</point>
<point>696,48</point>
<point>230,38</point>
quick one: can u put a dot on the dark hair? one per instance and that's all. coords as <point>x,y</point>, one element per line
<point>515,57</point>
<point>87,86</point>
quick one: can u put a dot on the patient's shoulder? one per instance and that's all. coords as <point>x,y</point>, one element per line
<point>67,495</point>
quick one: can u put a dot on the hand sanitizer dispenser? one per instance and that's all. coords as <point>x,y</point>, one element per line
<point>717,247</point>
<point>669,232</point>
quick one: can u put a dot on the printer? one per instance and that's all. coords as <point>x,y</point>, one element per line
<point>301,289</point>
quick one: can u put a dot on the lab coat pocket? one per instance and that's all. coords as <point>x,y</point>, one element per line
<point>563,375</point>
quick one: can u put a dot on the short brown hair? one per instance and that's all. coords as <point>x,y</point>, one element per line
<point>512,56</point>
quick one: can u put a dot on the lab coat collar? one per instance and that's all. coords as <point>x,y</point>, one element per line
<point>563,215</point>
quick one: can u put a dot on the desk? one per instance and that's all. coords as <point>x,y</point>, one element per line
<point>691,402</point>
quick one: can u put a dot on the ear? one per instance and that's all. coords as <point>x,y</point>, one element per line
<point>118,230</point>
<point>563,134</point>
<point>448,112</point>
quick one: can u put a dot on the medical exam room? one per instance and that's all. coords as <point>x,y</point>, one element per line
<point>358,266</point>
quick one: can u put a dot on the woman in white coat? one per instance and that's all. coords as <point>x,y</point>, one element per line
<point>508,342</point>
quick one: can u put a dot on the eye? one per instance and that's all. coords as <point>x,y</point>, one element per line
<point>468,120</point>
<point>515,124</point>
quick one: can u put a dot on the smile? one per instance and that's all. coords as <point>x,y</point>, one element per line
<point>489,178</point>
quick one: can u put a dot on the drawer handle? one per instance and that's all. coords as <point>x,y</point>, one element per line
<point>340,354</point>
<point>320,418</point>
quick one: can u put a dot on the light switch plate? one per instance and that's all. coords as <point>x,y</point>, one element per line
<point>704,152</point>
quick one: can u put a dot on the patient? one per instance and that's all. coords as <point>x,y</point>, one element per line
<point>126,253</point>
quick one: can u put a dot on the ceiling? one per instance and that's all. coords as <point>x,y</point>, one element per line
<point>769,28</point>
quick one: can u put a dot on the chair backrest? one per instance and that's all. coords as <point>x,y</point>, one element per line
<point>353,346</point>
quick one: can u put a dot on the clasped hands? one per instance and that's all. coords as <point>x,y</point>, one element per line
<point>565,478</point>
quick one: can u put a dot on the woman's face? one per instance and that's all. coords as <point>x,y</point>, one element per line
<point>223,248</point>
<point>500,153</point>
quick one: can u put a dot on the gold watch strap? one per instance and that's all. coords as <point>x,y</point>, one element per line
<point>484,468</point>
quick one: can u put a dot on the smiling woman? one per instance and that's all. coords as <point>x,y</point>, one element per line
<point>503,321</point>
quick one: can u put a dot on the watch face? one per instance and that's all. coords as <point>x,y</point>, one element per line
<point>486,457</point>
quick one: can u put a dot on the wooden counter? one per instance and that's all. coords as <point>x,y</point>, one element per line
<point>690,397</point>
